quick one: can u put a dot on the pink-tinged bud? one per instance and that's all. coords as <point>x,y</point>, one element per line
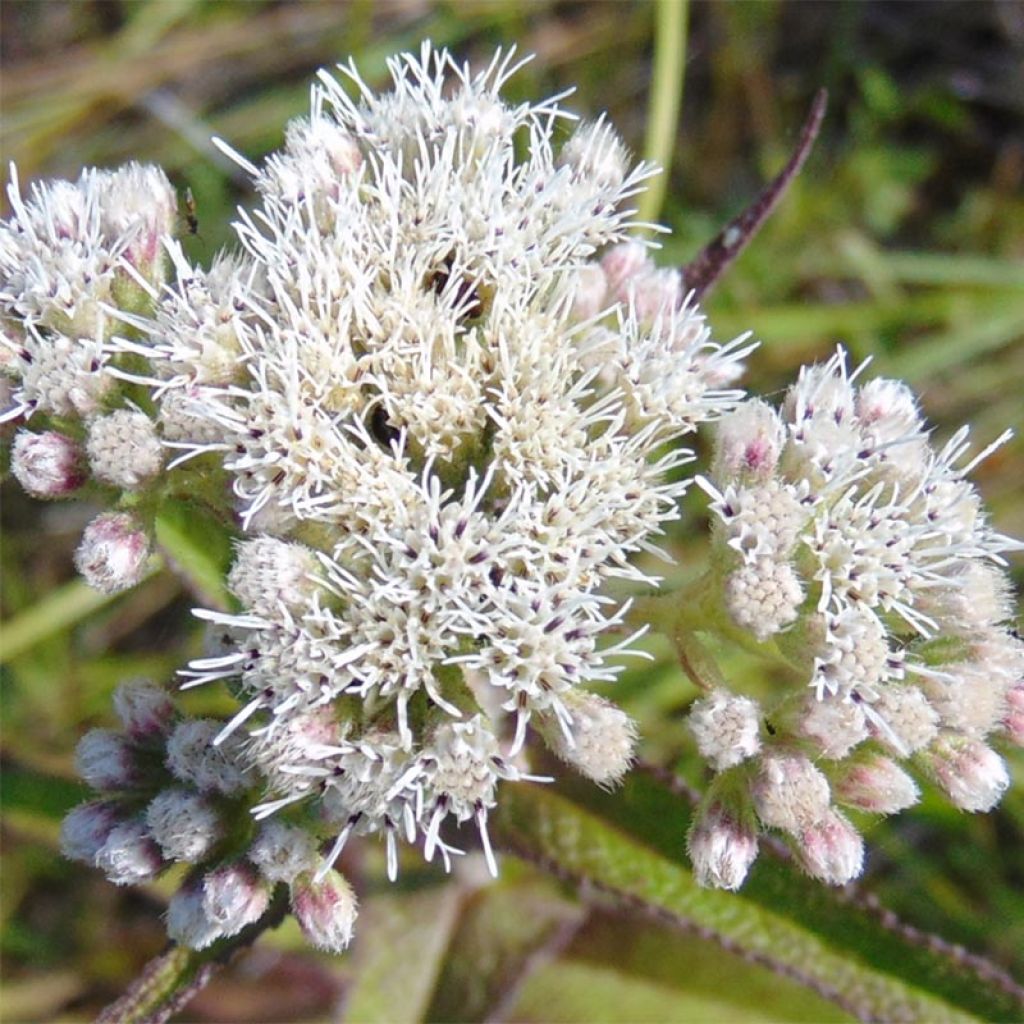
<point>145,709</point>
<point>1013,723</point>
<point>748,443</point>
<point>877,784</point>
<point>722,845</point>
<point>112,555</point>
<point>87,827</point>
<point>234,895</point>
<point>974,776</point>
<point>124,449</point>
<point>591,295</point>
<point>106,760</point>
<point>130,855</point>
<point>326,910</point>
<point>621,264</point>
<point>831,850</point>
<point>789,792</point>
<point>727,728</point>
<point>187,921</point>
<point>47,465</point>
<point>655,293</point>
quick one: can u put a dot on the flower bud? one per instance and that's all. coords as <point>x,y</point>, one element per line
<point>112,555</point>
<point>129,855</point>
<point>655,293</point>
<point>722,844</point>
<point>591,295</point>
<point>283,852</point>
<point>789,792</point>
<point>727,728</point>
<point>185,825</point>
<point>326,910</point>
<point>875,783</point>
<point>47,465</point>
<point>621,264</point>
<point>764,596</point>
<point>832,723</point>
<point>106,760</point>
<point>1013,723</point>
<point>145,709</point>
<point>603,738</point>
<point>902,719</point>
<point>87,827</point>
<point>748,443</point>
<point>831,849</point>
<point>234,895</point>
<point>192,757</point>
<point>973,775</point>
<point>124,449</point>
<point>187,921</point>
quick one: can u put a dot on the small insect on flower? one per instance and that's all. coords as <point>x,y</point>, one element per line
<point>190,215</point>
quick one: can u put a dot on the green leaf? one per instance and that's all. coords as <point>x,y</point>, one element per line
<point>199,549</point>
<point>504,932</point>
<point>842,950</point>
<point>401,942</point>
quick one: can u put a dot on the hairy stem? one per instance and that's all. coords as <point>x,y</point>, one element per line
<point>169,981</point>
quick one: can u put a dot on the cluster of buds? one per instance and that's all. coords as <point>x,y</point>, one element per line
<point>168,795</point>
<point>850,549</point>
<point>73,257</point>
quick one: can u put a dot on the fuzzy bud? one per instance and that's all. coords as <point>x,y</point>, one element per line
<point>833,724</point>
<point>591,295</point>
<point>47,465</point>
<point>268,573</point>
<point>1013,722</point>
<point>722,844</point>
<point>764,596</point>
<point>187,921</point>
<point>145,709</point>
<point>283,852</point>
<point>192,757</point>
<point>876,784</point>
<point>106,760</point>
<point>748,443</point>
<point>234,895</point>
<point>789,792</point>
<point>622,263</point>
<point>113,552</point>
<point>831,850</point>
<point>129,855</point>
<point>185,825</point>
<point>124,449</point>
<point>727,728</point>
<point>87,827</point>
<point>973,775</point>
<point>596,154</point>
<point>326,910</point>
<point>603,739</point>
<point>902,719</point>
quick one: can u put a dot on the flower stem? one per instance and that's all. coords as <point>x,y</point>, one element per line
<point>169,981</point>
<point>670,28</point>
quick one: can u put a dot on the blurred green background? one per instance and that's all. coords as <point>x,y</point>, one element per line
<point>903,239</point>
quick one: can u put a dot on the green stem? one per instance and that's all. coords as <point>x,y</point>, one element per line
<point>670,28</point>
<point>61,608</point>
<point>170,980</point>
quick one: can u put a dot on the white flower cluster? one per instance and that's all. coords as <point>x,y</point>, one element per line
<point>441,461</point>
<point>170,796</point>
<point>862,554</point>
<point>72,257</point>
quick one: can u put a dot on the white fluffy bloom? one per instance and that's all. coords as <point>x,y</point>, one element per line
<point>452,461</point>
